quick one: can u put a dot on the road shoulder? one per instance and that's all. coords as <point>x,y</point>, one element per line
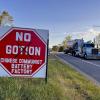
<point>81,72</point>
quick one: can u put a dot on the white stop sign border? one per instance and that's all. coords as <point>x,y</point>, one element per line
<point>36,33</point>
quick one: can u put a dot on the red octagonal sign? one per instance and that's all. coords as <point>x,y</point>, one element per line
<point>22,52</point>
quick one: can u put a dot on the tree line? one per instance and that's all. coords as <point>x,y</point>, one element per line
<point>63,45</point>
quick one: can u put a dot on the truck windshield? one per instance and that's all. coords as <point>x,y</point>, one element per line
<point>88,45</point>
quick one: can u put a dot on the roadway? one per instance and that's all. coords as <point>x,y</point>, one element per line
<point>90,68</point>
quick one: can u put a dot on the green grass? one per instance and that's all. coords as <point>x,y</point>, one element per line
<point>64,83</point>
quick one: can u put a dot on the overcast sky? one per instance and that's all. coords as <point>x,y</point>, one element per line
<point>61,17</point>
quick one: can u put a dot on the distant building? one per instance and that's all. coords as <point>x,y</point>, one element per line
<point>97,41</point>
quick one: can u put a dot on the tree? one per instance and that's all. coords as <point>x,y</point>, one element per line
<point>67,38</point>
<point>55,48</point>
<point>61,49</point>
<point>5,18</point>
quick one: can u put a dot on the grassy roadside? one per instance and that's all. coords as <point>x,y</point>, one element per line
<point>64,83</point>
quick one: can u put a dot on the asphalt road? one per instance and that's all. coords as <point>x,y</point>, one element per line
<point>89,67</point>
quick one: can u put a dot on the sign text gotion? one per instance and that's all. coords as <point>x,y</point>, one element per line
<point>27,50</point>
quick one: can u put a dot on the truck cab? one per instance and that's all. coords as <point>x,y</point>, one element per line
<point>88,51</point>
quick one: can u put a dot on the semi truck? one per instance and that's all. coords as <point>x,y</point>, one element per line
<point>83,49</point>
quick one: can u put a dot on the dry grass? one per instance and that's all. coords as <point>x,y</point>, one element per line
<point>63,84</point>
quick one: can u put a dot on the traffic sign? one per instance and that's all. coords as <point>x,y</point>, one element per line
<point>23,52</point>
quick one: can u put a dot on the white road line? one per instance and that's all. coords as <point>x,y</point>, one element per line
<point>87,62</point>
<point>91,63</point>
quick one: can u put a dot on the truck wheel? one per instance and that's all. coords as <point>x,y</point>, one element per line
<point>73,53</point>
<point>85,56</point>
<point>66,52</point>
